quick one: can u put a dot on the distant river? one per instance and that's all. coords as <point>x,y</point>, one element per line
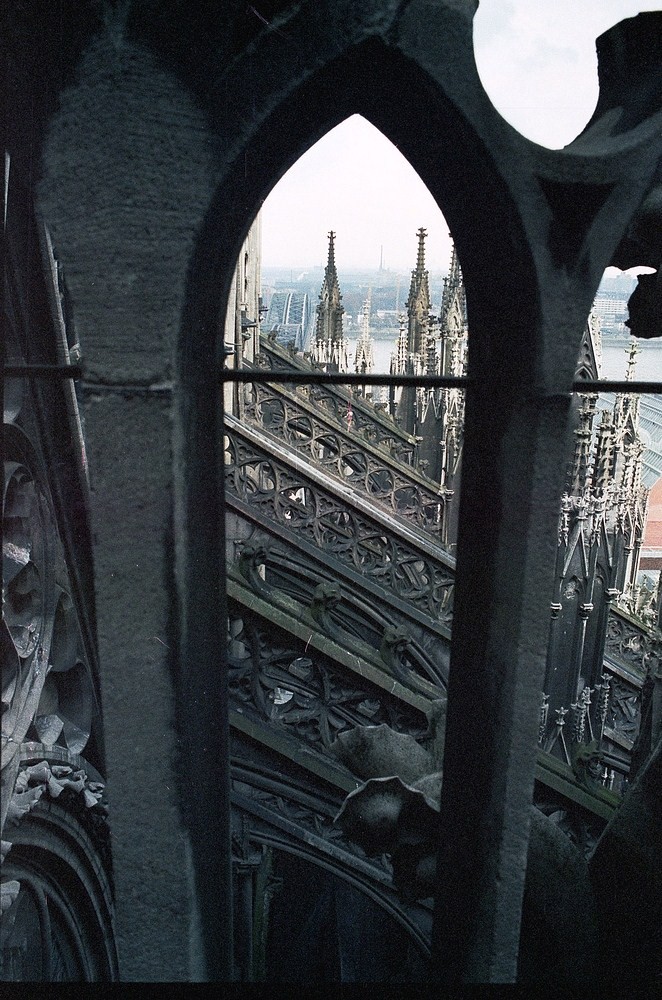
<point>649,361</point>
<point>614,359</point>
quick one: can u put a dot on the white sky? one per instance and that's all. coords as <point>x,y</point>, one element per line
<point>537,62</point>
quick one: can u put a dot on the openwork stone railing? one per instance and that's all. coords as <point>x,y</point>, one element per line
<point>368,423</point>
<point>299,594</point>
<point>300,691</point>
<point>342,452</point>
<point>629,644</point>
<point>310,508</point>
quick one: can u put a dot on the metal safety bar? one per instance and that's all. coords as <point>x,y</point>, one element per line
<point>244,375</point>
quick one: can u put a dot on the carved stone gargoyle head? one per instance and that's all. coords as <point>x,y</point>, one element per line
<point>396,812</point>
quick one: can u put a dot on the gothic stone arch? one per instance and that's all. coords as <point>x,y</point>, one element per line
<point>142,184</point>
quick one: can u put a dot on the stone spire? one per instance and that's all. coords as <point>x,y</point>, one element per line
<point>600,529</point>
<point>581,464</point>
<point>363,359</point>
<point>626,419</point>
<point>399,357</point>
<point>603,463</point>
<point>330,344</point>
<point>418,302</point>
<point>453,287</point>
<point>453,320</point>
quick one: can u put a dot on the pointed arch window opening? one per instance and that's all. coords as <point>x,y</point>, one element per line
<point>235,376</point>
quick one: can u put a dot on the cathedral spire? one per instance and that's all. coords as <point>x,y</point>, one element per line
<point>453,320</point>
<point>331,260</point>
<point>330,344</point>
<point>627,403</point>
<point>632,361</point>
<point>363,358</point>
<point>420,258</point>
<point>418,303</point>
<point>453,293</point>
<point>581,464</point>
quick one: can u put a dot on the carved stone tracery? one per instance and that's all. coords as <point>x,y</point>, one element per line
<point>305,694</point>
<point>49,703</point>
<point>332,525</point>
<point>335,402</point>
<point>345,456</point>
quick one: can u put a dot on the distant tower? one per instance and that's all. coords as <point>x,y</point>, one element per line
<point>363,359</point>
<point>400,355</point>
<point>434,416</point>
<point>418,302</point>
<point>413,348</point>
<point>453,320</point>
<point>330,344</point>
<point>399,366</point>
<point>449,410</point>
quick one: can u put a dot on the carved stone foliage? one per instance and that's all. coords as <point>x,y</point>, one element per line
<point>630,644</point>
<point>52,779</point>
<point>300,691</point>
<point>48,700</point>
<point>56,899</point>
<point>311,514</point>
<point>338,404</point>
<point>55,893</point>
<point>33,782</point>
<point>27,601</point>
<point>342,454</point>
<point>47,692</point>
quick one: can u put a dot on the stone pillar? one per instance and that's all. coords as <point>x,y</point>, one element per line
<point>125,182</point>
<point>129,449</point>
<point>501,614</point>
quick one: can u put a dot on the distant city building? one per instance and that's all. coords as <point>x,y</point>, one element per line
<point>611,308</point>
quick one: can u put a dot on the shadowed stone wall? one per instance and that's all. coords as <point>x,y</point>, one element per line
<point>167,126</point>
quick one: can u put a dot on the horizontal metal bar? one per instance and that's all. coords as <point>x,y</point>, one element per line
<point>247,375</point>
<point>612,385</point>
<point>41,371</point>
<point>244,375</point>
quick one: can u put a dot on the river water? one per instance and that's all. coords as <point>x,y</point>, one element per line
<point>614,359</point>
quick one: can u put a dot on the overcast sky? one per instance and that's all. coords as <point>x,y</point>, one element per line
<point>537,61</point>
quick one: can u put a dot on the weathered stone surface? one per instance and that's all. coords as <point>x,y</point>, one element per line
<point>148,212</point>
<point>126,180</point>
<point>626,873</point>
<point>559,937</point>
<point>128,441</point>
<point>378,751</point>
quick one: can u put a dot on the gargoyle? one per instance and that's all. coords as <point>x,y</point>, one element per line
<point>396,812</point>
